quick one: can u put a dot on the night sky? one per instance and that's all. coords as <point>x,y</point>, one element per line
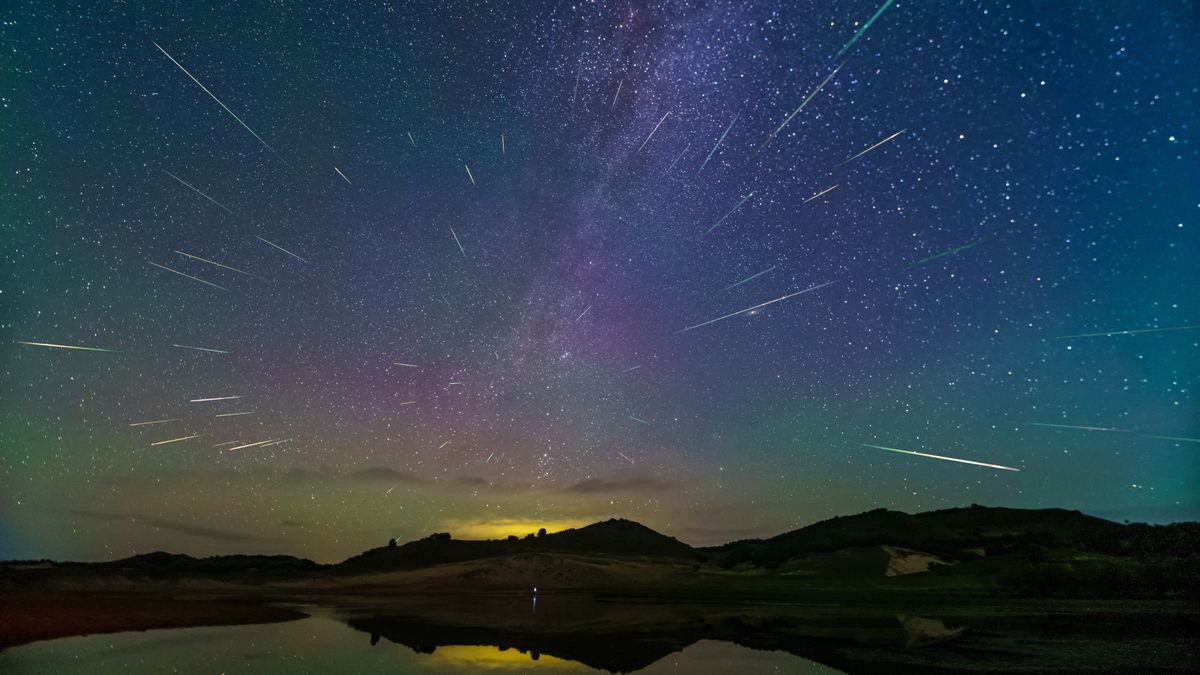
<point>530,205</point>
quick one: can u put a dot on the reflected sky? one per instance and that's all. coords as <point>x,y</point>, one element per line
<point>325,644</point>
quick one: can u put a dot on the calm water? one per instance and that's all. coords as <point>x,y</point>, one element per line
<point>326,643</point>
<point>517,634</point>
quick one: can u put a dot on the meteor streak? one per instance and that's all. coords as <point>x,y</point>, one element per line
<point>339,172</point>
<point>225,107</point>
<point>1073,426</point>
<point>873,147</point>
<point>796,111</point>
<point>176,440</point>
<point>187,275</point>
<point>270,443</point>
<point>1173,438</point>
<point>677,158</point>
<point>460,247</point>
<point>469,174</point>
<point>271,243</point>
<point>578,73</point>
<point>614,101</point>
<point>948,459</point>
<point>406,365</point>
<point>142,424</point>
<point>589,308</point>
<point>749,278</point>
<point>735,208</point>
<point>249,412</point>
<point>638,419</point>
<point>864,28</point>
<point>197,191</point>
<point>1126,332</point>
<point>221,445</point>
<point>443,445</point>
<point>502,151</point>
<point>751,309</point>
<point>633,368</point>
<point>214,398</point>
<point>50,344</point>
<point>818,194</point>
<point>952,251</point>
<point>408,402</point>
<point>410,139</point>
<point>656,126</point>
<point>719,141</point>
<point>202,349</point>
<point>625,456</point>
<point>248,445</point>
<point>212,262</point>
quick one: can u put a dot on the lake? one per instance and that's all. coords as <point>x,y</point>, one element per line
<point>553,634</point>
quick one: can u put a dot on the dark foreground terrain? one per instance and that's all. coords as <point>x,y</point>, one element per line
<point>963,590</point>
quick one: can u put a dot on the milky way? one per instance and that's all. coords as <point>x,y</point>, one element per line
<point>396,269</point>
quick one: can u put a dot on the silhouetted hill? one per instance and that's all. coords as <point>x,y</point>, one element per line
<point>619,538</point>
<point>176,564</point>
<point>948,533</point>
<point>1038,552</point>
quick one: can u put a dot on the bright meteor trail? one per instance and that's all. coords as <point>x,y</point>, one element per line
<point>188,276</point>
<point>719,141</point>
<point>459,243</point>
<point>212,262</point>
<point>656,126</point>
<point>828,189</point>
<point>796,111</point>
<point>735,208</point>
<point>1126,332</point>
<point>202,349</point>
<point>751,309</point>
<point>225,107</point>
<point>952,251</point>
<point>271,243</point>
<point>176,440</point>
<point>197,191</point>
<point>50,344</point>
<point>214,398</point>
<point>873,147</point>
<point>752,277</point>
<point>948,459</point>
<point>1073,426</point>
<point>142,424</point>
<point>863,29</point>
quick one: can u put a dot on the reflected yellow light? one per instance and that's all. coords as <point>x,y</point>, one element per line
<point>487,656</point>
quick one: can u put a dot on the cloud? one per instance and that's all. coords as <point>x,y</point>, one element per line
<point>172,525</point>
<point>597,485</point>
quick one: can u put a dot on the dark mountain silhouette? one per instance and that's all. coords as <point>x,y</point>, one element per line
<point>174,563</point>
<point>620,538</point>
<point>976,549</point>
<point>949,533</point>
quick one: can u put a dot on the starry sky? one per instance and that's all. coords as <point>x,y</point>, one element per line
<point>458,263</point>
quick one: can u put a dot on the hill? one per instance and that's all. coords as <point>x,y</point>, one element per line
<point>951,533</point>
<point>615,538</point>
<point>1042,552</point>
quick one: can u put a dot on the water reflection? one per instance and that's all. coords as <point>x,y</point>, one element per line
<point>626,638</point>
<point>575,634</point>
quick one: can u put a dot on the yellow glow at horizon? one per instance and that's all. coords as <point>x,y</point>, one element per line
<point>503,527</point>
<point>487,656</point>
